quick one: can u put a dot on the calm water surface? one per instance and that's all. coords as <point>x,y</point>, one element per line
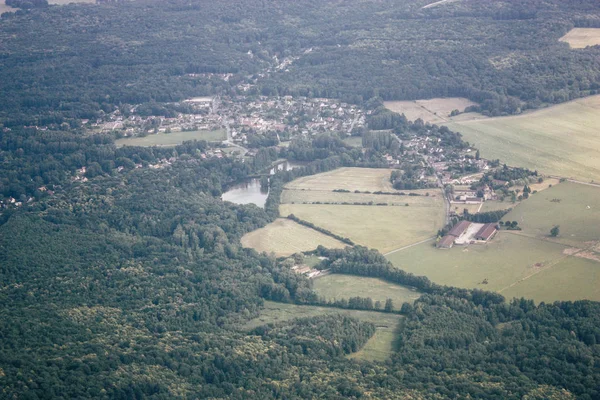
<point>250,192</point>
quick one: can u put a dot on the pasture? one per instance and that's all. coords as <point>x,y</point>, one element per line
<point>512,264</point>
<point>379,227</point>
<point>579,38</point>
<point>284,237</point>
<point>575,207</point>
<point>435,111</point>
<point>363,179</point>
<point>560,140</point>
<point>378,348</point>
<point>339,286</point>
<point>171,139</point>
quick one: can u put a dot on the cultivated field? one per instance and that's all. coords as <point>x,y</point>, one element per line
<point>171,139</point>
<point>313,196</point>
<point>380,227</point>
<point>339,286</point>
<point>363,179</point>
<point>579,38</point>
<point>378,348</point>
<point>561,140</point>
<point>284,237</point>
<point>435,111</point>
<point>512,264</point>
<point>575,207</point>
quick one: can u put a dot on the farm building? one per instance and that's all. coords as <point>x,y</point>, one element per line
<point>486,232</point>
<point>459,228</point>
<point>446,242</point>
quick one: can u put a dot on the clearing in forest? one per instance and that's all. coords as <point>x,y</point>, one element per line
<point>561,140</point>
<point>579,38</point>
<point>340,286</point>
<point>435,111</point>
<point>284,237</point>
<point>378,348</point>
<point>172,139</point>
<point>322,196</point>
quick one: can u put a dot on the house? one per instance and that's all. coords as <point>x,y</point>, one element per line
<point>486,232</point>
<point>459,228</point>
<point>446,242</point>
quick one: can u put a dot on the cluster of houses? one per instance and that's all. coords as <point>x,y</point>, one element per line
<point>466,232</point>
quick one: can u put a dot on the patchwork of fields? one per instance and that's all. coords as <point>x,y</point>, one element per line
<point>579,38</point>
<point>284,237</point>
<point>561,140</point>
<point>526,263</point>
<point>378,348</point>
<point>172,139</point>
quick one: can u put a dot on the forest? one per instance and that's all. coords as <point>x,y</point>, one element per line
<point>123,280</point>
<point>79,61</point>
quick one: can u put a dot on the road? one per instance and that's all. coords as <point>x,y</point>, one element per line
<point>410,245</point>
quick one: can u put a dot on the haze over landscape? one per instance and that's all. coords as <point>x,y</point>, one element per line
<point>246,199</point>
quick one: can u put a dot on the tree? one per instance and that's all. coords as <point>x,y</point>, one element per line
<point>554,232</point>
<point>389,305</point>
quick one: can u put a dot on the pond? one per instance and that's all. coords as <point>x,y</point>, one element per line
<point>250,192</point>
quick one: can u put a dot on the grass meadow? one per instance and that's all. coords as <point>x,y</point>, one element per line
<point>284,237</point>
<point>435,111</point>
<point>172,139</point>
<point>363,179</point>
<point>561,140</point>
<point>339,286</point>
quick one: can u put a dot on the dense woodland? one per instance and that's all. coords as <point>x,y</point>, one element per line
<point>130,282</point>
<point>77,61</point>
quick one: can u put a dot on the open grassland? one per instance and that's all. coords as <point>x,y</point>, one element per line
<point>4,8</point>
<point>575,207</point>
<point>380,227</point>
<point>171,139</point>
<point>561,140</point>
<point>579,38</point>
<point>378,348</point>
<point>435,111</point>
<point>339,286</point>
<point>314,196</point>
<point>512,264</point>
<point>354,141</point>
<point>284,237</point>
<point>363,179</point>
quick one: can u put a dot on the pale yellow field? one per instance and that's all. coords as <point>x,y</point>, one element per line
<point>562,140</point>
<point>325,196</point>
<point>363,179</point>
<point>579,38</point>
<point>380,227</point>
<point>435,111</point>
<point>284,237</point>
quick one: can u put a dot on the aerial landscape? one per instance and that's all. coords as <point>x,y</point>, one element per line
<point>374,199</point>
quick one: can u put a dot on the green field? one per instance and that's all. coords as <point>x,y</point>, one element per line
<point>339,286</point>
<point>384,228</point>
<point>171,139</point>
<point>363,179</point>
<point>575,207</point>
<point>561,140</point>
<point>354,141</point>
<point>284,237</point>
<point>513,264</point>
<point>378,348</point>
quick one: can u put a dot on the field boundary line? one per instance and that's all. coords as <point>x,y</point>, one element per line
<point>409,246</point>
